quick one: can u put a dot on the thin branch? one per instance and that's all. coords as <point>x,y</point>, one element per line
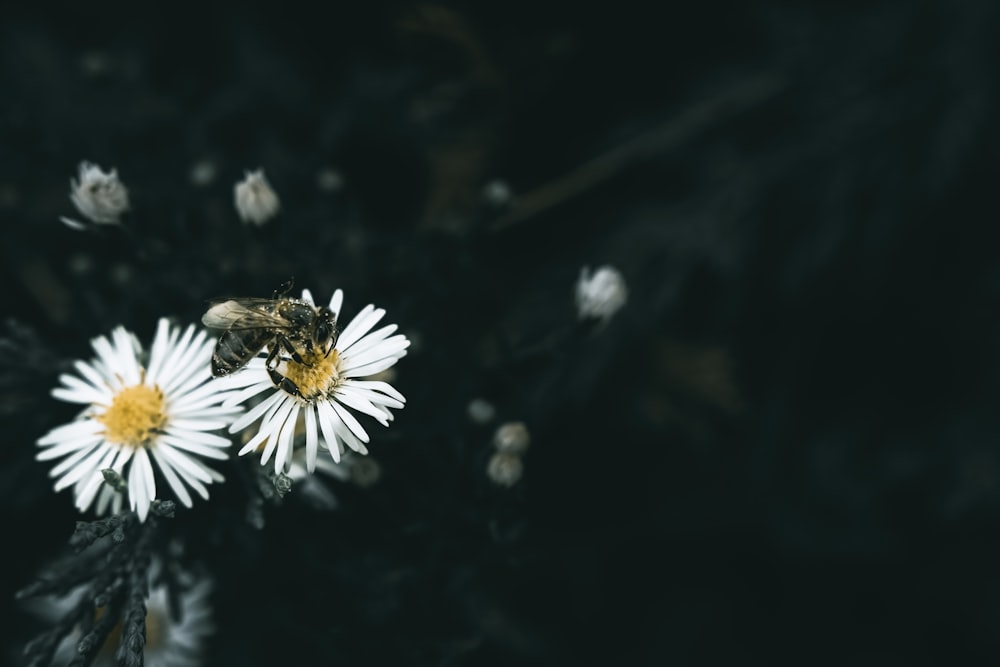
<point>744,95</point>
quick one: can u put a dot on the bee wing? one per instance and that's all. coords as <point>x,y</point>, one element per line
<point>233,314</point>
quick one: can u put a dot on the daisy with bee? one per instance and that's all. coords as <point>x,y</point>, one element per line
<point>314,376</point>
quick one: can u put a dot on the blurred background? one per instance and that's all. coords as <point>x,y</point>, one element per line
<point>782,450</point>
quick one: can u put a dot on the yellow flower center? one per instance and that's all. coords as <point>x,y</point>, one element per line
<point>136,415</point>
<point>318,374</point>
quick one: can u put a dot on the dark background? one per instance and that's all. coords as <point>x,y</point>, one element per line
<point>782,451</point>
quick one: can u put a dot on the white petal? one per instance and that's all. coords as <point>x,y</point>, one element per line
<point>377,385</point>
<point>60,450</point>
<point>200,424</point>
<point>388,348</point>
<point>336,302</point>
<point>194,447</point>
<point>187,466</point>
<point>200,437</point>
<point>141,486</point>
<point>94,377</point>
<point>254,413</point>
<point>373,339</point>
<point>158,350</point>
<point>175,366</point>
<point>79,391</point>
<point>344,434</point>
<point>274,427</point>
<point>311,439</point>
<point>172,479</point>
<point>196,366</point>
<point>72,224</point>
<point>73,459</point>
<point>88,465</point>
<point>199,371</point>
<point>71,431</point>
<point>213,391</point>
<point>326,414</point>
<point>107,461</point>
<point>126,348</point>
<point>351,422</point>
<point>354,399</point>
<point>282,456</point>
<point>257,387</point>
<point>254,442</point>
<point>359,326</point>
<point>208,411</point>
<point>370,369</point>
<point>88,491</point>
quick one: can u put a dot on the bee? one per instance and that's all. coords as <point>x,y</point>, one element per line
<point>281,323</point>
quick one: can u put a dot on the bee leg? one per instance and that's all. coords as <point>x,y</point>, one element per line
<point>279,380</point>
<point>290,349</point>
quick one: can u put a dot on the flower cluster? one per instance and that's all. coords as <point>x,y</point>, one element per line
<point>510,441</point>
<point>157,417</point>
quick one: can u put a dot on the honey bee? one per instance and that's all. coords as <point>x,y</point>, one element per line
<point>281,323</point>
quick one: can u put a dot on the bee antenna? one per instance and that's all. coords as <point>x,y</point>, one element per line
<point>284,288</point>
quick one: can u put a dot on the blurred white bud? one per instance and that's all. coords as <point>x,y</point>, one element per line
<point>481,411</point>
<point>313,489</point>
<point>497,193</point>
<point>9,196</point>
<point>504,469</point>
<point>600,295</point>
<point>255,200</point>
<point>329,180</point>
<point>364,470</point>
<point>202,173</point>
<point>512,438</point>
<point>95,63</point>
<point>98,196</point>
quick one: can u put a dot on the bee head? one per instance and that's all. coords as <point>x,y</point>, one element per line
<point>325,333</point>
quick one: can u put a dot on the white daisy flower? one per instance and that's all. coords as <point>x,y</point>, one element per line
<point>171,640</point>
<point>330,386</point>
<point>163,412</point>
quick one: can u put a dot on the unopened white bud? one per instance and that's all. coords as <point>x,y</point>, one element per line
<point>497,193</point>
<point>600,295</point>
<point>365,471</point>
<point>481,411</point>
<point>329,180</point>
<point>202,173</point>
<point>256,202</point>
<point>98,196</point>
<point>505,469</point>
<point>512,437</point>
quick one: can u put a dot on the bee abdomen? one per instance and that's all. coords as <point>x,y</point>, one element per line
<point>235,349</point>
